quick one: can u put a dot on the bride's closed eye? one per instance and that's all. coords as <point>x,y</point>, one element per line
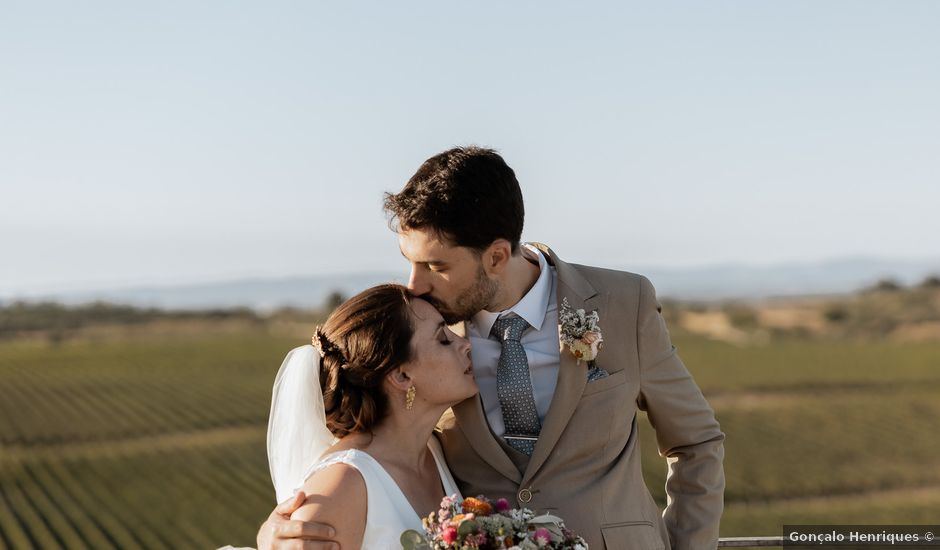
<point>442,335</point>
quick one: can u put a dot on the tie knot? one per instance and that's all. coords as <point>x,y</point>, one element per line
<point>509,328</point>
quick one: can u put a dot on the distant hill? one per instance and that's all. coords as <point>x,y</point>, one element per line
<point>260,294</point>
<point>740,281</point>
<point>710,283</point>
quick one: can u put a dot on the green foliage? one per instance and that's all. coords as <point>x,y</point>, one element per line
<point>333,301</point>
<point>467,528</point>
<point>932,281</point>
<point>886,285</point>
<point>879,314</point>
<point>412,540</point>
<point>741,316</point>
<point>311,317</point>
<point>58,319</point>
<point>836,313</point>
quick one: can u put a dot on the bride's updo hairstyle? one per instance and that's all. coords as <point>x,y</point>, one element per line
<point>363,340</point>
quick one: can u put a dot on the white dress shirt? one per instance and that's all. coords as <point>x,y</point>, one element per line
<point>539,307</point>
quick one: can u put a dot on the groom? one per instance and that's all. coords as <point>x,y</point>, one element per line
<point>549,431</point>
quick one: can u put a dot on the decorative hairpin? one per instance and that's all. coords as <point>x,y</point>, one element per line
<point>322,343</point>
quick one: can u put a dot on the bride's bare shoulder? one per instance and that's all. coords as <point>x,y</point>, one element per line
<point>339,480</point>
<point>336,495</point>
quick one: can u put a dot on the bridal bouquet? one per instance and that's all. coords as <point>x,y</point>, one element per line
<point>487,525</point>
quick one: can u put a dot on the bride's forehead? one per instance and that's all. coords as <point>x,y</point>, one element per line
<point>425,315</point>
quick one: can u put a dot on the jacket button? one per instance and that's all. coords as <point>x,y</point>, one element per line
<point>525,495</point>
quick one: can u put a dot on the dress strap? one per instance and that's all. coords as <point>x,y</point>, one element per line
<point>447,480</point>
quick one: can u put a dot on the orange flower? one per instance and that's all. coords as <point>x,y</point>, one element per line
<point>477,506</point>
<point>460,518</point>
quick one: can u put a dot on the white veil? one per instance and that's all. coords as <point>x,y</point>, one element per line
<point>297,432</point>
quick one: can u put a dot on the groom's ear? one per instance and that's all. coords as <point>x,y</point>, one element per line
<point>496,256</point>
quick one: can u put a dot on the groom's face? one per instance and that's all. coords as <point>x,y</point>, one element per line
<point>450,277</point>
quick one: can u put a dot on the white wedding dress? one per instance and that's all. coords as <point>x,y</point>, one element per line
<point>389,513</point>
<point>298,437</point>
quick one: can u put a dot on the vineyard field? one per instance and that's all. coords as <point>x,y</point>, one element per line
<point>158,441</point>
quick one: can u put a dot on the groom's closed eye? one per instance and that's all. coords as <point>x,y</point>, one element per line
<point>427,263</point>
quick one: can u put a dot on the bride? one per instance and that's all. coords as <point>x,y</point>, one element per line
<point>353,416</point>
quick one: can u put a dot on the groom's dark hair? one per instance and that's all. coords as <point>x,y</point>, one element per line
<point>469,196</point>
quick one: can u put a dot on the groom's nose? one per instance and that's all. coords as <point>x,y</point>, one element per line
<point>417,283</point>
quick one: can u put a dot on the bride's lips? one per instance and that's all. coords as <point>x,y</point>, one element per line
<point>469,369</point>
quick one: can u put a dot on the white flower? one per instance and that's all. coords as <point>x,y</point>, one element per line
<point>579,332</point>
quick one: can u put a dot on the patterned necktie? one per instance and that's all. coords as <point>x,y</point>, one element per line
<point>514,386</point>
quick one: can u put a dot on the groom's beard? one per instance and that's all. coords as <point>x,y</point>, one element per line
<point>469,302</point>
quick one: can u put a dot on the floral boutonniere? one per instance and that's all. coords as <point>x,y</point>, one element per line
<point>579,332</point>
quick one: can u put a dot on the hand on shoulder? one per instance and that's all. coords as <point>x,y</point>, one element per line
<point>336,495</point>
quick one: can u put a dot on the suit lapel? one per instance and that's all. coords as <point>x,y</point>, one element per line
<point>572,375</point>
<point>572,378</point>
<point>472,422</point>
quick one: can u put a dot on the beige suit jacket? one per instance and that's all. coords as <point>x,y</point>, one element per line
<point>586,465</point>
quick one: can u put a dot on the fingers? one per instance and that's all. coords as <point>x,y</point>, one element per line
<point>287,534</point>
<point>307,530</point>
<point>288,507</point>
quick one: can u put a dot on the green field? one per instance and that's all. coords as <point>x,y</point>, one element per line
<point>158,441</point>
<point>824,432</point>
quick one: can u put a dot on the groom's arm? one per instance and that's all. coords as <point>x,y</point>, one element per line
<point>279,532</point>
<point>686,429</point>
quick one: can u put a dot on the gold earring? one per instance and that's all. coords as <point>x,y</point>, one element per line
<point>410,397</point>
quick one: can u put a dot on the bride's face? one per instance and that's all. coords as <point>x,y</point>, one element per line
<point>440,370</point>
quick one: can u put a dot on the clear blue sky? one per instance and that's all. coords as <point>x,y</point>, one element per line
<point>192,141</point>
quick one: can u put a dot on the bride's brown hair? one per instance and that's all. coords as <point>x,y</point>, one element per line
<point>363,340</point>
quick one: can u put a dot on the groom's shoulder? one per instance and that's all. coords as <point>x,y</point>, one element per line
<point>625,290</point>
<point>604,278</point>
<point>613,279</point>
<point>602,273</point>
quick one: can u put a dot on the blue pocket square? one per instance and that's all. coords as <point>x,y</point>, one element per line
<point>596,373</point>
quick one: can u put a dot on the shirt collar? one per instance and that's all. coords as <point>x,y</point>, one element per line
<point>532,306</point>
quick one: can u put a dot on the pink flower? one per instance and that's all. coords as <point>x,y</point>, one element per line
<point>449,535</point>
<point>502,505</point>
<point>542,536</point>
